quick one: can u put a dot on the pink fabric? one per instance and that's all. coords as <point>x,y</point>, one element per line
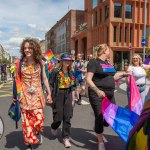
<point>136,103</point>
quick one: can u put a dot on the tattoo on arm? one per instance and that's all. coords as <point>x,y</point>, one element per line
<point>95,88</point>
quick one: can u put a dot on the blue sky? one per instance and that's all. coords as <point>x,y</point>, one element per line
<point>30,18</point>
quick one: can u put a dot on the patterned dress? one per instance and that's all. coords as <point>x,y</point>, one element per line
<point>31,104</point>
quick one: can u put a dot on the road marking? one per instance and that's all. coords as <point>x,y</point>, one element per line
<point>5,95</point>
<point>83,102</point>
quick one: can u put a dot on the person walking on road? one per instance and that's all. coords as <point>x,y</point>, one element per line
<point>32,100</point>
<point>63,82</point>
<point>137,69</point>
<point>80,70</point>
<point>100,78</point>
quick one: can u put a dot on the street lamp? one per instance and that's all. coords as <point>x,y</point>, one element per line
<point>144,32</point>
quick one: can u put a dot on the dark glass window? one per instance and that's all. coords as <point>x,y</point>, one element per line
<point>118,10</point>
<point>94,3</point>
<point>115,33</point>
<point>120,34</point>
<point>106,12</point>
<point>125,34</point>
<point>96,18</point>
<point>107,30</point>
<point>100,15</point>
<point>128,11</point>
<point>130,34</point>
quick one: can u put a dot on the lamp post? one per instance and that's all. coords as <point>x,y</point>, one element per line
<point>144,32</point>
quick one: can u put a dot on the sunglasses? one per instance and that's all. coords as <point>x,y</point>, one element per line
<point>134,58</point>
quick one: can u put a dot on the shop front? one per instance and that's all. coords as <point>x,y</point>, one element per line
<point>121,60</point>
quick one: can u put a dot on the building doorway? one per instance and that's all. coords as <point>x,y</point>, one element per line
<point>121,60</point>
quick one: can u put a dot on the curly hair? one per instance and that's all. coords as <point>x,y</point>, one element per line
<point>35,46</point>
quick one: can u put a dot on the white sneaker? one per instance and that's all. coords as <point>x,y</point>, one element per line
<point>101,146</point>
<point>54,132</point>
<point>40,137</point>
<point>67,143</point>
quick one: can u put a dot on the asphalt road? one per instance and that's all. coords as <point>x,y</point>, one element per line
<point>82,135</point>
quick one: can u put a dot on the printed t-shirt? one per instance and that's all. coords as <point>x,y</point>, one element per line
<point>103,73</point>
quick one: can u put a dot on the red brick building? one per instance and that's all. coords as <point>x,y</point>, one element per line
<point>58,38</point>
<point>119,23</point>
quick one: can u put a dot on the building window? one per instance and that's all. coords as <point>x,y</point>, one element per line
<point>120,34</point>
<point>125,34</point>
<point>115,33</point>
<point>117,10</point>
<point>94,3</point>
<point>106,12</point>
<point>96,18</point>
<point>100,15</point>
<point>130,34</point>
<point>107,32</point>
<point>128,11</point>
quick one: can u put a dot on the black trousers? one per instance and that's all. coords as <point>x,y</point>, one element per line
<point>63,111</point>
<point>95,102</point>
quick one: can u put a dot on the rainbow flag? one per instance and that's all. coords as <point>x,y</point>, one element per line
<point>136,103</point>
<point>18,86</point>
<point>50,56</point>
<point>139,136</point>
<point>120,119</point>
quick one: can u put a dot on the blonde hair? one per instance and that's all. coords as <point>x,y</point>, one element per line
<point>139,57</point>
<point>99,49</point>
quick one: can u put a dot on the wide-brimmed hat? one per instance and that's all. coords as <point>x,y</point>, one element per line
<point>65,56</point>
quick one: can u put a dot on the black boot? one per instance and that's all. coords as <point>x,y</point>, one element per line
<point>79,100</point>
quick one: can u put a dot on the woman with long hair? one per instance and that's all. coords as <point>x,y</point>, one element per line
<point>137,69</point>
<point>100,78</point>
<point>31,73</point>
<point>63,83</point>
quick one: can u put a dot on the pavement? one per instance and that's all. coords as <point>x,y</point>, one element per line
<point>82,134</point>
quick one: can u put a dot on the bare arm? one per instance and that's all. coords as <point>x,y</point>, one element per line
<point>89,81</point>
<point>146,66</point>
<point>49,99</point>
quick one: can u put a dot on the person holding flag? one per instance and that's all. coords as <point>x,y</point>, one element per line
<point>100,78</point>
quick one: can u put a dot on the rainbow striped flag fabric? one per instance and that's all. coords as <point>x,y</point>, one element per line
<point>120,119</point>
<point>18,86</point>
<point>136,103</point>
<point>139,136</point>
<point>50,56</point>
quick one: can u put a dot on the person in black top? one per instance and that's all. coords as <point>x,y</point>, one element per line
<point>100,78</point>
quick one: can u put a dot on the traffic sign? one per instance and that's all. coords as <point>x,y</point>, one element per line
<point>72,52</point>
<point>143,42</point>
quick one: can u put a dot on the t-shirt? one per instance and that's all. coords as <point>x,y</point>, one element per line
<point>138,73</point>
<point>103,73</point>
<point>79,65</point>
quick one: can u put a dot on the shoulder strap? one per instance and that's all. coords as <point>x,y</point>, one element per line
<point>20,64</point>
<point>41,66</point>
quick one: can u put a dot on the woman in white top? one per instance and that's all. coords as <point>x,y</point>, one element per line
<point>139,74</point>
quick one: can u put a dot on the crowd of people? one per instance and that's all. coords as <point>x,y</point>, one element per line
<point>66,80</point>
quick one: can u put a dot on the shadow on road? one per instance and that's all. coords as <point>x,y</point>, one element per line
<point>15,139</point>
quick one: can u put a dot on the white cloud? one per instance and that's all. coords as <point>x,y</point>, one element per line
<point>32,25</point>
<point>24,18</point>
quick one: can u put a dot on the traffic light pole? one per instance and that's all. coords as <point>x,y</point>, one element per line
<point>144,33</point>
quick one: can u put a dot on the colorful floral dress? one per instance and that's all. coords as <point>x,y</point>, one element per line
<point>31,104</point>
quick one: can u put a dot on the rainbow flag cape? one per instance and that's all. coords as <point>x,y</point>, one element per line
<point>136,103</point>
<point>18,86</point>
<point>50,56</point>
<point>139,136</point>
<point>120,119</point>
